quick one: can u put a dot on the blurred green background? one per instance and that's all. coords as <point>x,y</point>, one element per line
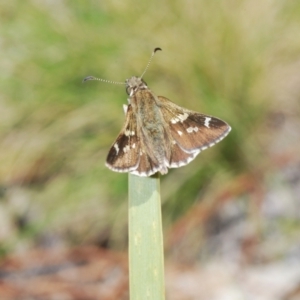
<point>237,60</point>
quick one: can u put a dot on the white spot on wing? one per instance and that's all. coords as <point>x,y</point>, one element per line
<point>117,148</point>
<point>179,118</point>
<point>126,148</point>
<point>179,132</point>
<point>183,117</point>
<point>206,122</point>
<point>128,132</point>
<point>191,129</point>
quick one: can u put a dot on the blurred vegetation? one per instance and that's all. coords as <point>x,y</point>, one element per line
<point>225,58</point>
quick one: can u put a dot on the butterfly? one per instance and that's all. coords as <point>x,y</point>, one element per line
<point>158,134</point>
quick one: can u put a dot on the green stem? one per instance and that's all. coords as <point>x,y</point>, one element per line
<point>146,258</point>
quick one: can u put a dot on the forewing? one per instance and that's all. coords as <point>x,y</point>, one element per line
<point>191,130</point>
<point>123,155</point>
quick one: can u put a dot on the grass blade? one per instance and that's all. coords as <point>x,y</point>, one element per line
<point>146,260</point>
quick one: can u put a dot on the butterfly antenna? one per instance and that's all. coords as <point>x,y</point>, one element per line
<point>100,79</point>
<point>156,49</point>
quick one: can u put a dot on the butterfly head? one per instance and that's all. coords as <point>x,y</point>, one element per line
<point>134,84</point>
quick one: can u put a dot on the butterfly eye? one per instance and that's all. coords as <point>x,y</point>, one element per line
<point>128,89</point>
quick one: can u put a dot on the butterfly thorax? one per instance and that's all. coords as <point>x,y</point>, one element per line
<point>134,84</point>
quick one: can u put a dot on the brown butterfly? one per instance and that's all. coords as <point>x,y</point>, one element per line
<point>159,134</point>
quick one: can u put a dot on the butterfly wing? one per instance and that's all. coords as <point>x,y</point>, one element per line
<point>146,166</point>
<point>192,131</point>
<point>123,155</point>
